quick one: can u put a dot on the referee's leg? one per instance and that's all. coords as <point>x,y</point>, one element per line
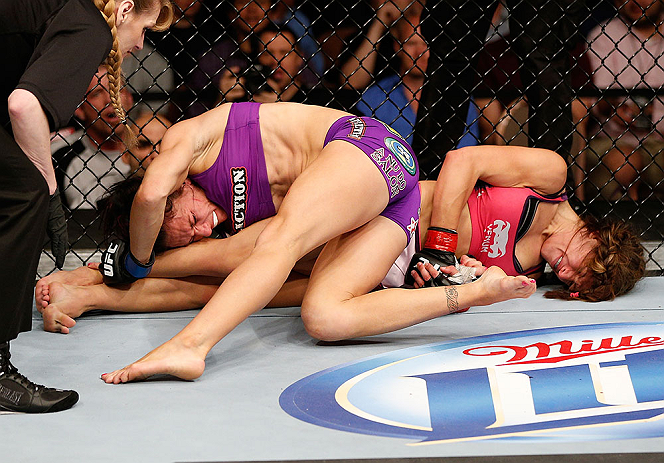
<point>23,214</point>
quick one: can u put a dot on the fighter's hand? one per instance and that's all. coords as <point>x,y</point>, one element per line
<point>438,249</point>
<point>428,275</point>
<point>437,259</point>
<point>469,261</point>
<point>119,266</point>
<point>467,270</point>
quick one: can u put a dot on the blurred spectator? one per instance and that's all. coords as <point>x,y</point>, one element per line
<point>89,160</point>
<point>149,78</point>
<point>395,98</point>
<point>277,74</point>
<point>150,129</point>
<point>359,68</point>
<point>193,32</point>
<point>285,13</point>
<point>360,64</point>
<point>626,53</point>
<point>503,107</point>
<point>542,32</point>
<point>356,45</point>
<point>239,46</point>
<point>274,76</point>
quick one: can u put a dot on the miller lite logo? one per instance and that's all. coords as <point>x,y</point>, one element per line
<point>539,385</point>
<point>239,208</point>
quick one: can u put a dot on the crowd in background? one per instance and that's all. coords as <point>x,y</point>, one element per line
<point>371,58</point>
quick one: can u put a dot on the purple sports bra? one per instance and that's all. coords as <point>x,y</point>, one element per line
<point>237,181</point>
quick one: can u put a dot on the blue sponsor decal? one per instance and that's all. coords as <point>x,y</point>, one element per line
<point>540,384</point>
<point>402,153</point>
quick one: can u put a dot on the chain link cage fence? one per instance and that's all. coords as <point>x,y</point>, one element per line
<point>583,78</point>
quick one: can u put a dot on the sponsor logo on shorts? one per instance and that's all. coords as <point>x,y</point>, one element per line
<point>413,224</point>
<point>390,166</point>
<point>412,227</point>
<point>359,127</point>
<point>392,131</point>
<point>239,180</point>
<point>592,382</point>
<point>403,155</point>
<point>495,238</point>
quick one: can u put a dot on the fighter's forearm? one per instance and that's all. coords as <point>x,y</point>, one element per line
<point>455,183</point>
<point>165,175</point>
<point>146,219</point>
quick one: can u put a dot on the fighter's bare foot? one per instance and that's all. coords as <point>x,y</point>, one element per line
<point>498,287</point>
<point>82,276</point>
<point>67,303</point>
<point>170,358</point>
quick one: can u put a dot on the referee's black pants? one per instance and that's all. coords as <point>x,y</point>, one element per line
<point>23,214</point>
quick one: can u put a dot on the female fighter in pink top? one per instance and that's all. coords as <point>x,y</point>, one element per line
<point>517,217</point>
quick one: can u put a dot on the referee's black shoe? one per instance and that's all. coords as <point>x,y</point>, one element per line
<point>19,394</point>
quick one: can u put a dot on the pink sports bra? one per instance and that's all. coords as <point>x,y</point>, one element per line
<point>500,217</point>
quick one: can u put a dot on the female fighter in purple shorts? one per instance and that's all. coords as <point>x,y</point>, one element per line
<point>519,224</point>
<point>336,180</point>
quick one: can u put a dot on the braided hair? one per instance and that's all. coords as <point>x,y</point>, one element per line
<point>613,266</point>
<point>114,59</point>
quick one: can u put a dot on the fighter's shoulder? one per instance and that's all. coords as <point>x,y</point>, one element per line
<point>197,131</point>
<point>289,111</point>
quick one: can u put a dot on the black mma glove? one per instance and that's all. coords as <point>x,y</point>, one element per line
<point>441,280</point>
<point>438,249</point>
<point>56,228</point>
<point>119,266</point>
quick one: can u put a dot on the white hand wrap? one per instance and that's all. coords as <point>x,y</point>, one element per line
<point>464,275</point>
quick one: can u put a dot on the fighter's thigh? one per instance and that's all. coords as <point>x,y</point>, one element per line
<point>340,191</point>
<point>354,264</point>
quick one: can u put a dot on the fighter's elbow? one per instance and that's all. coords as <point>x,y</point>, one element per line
<point>467,159</point>
<point>558,169</point>
<point>454,157</point>
<point>149,196</point>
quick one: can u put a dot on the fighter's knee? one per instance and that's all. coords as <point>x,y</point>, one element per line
<point>325,322</point>
<point>279,233</point>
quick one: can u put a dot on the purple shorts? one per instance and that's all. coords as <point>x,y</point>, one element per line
<point>393,157</point>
